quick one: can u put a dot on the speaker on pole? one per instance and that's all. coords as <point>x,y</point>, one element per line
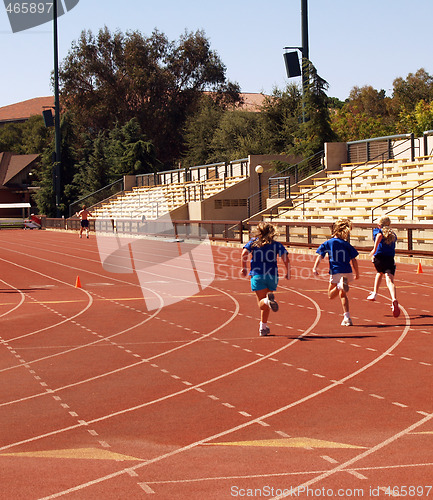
<point>293,68</point>
<point>48,118</point>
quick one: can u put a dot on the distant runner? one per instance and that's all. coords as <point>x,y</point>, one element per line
<point>84,215</point>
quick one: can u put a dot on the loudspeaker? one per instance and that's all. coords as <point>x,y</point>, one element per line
<point>48,118</point>
<point>292,64</point>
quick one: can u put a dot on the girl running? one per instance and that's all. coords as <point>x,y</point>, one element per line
<point>264,270</point>
<point>382,256</point>
<point>342,257</point>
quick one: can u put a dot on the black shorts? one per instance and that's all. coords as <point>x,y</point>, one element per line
<point>84,223</point>
<point>384,264</point>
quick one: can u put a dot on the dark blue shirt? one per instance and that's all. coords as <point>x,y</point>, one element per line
<point>384,248</point>
<point>264,259</point>
<point>340,253</point>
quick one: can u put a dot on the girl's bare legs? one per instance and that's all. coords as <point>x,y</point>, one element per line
<point>333,292</point>
<point>377,281</point>
<point>264,308</point>
<point>391,286</point>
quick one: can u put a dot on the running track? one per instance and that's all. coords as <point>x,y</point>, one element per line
<point>102,399</point>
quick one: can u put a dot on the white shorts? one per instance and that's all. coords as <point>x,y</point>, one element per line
<point>335,278</point>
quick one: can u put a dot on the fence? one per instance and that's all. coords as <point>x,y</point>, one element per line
<point>413,239</point>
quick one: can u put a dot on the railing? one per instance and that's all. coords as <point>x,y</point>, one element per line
<point>383,156</point>
<point>413,239</point>
<point>196,174</point>
<point>98,197</point>
<point>309,198</point>
<point>411,201</point>
<point>297,172</point>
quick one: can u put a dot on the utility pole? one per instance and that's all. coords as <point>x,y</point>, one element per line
<point>291,58</point>
<point>305,51</point>
<point>57,154</point>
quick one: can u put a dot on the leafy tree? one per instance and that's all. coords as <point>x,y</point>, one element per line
<point>366,113</point>
<point>29,137</point>
<point>238,135</point>
<point>419,120</point>
<point>45,197</point>
<point>316,130</point>
<point>282,112</point>
<point>159,82</point>
<point>416,87</point>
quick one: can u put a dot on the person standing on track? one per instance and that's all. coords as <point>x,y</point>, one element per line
<point>264,270</point>
<point>382,256</point>
<point>342,257</point>
<point>84,215</point>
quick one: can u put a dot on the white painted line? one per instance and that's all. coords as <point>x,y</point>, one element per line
<point>146,488</point>
<point>376,396</point>
<point>356,474</point>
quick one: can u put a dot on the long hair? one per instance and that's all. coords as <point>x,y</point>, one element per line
<point>264,234</point>
<point>388,234</point>
<point>341,229</point>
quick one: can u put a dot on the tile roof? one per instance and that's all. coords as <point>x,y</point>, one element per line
<point>25,109</point>
<point>12,164</point>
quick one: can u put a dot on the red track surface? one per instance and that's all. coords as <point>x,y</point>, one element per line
<point>101,399</point>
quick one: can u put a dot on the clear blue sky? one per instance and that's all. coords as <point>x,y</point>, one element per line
<point>352,42</point>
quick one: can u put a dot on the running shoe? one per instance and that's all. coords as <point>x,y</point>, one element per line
<point>271,301</point>
<point>346,322</point>
<point>395,309</point>
<point>372,296</point>
<point>264,332</point>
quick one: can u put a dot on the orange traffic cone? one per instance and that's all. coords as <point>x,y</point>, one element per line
<point>78,283</point>
<point>419,269</point>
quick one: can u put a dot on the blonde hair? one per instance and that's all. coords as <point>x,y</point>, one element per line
<point>341,229</point>
<point>388,234</point>
<point>264,234</point>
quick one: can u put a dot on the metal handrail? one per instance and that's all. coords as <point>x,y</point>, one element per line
<point>373,166</point>
<point>251,199</point>
<point>312,197</point>
<point>96,192</point>
<point>411,190</point>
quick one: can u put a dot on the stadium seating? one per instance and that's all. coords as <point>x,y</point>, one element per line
<point>153,202</point>
<point>355,193</point>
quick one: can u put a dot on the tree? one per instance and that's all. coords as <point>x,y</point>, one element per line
<point>316,130</point>
<point>119,77</point>
<point>282,112</point>
<point>238,135</point>
<point>416,87</point>
<point>366,113</point>
<point>419,120</point>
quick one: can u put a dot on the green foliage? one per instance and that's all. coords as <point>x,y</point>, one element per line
<point>420,119</point>
<point>159,82</point>
<point>29,137</point>
<point>366,113</point>
<point>316,128</point>
<point>416,87</point>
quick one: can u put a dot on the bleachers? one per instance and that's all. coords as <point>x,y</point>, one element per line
<point>153,202</point>
<point>361,190</point>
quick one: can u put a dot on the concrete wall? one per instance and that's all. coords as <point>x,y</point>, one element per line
<point>335,155</point>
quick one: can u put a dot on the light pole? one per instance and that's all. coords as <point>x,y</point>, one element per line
<point>57,154</point>
<point>259,171</point>
<point>292,63</point>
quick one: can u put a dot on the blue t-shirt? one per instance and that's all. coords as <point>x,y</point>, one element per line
<point>384,248</point>
<point>340,253</point>
<point>264,259</point>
